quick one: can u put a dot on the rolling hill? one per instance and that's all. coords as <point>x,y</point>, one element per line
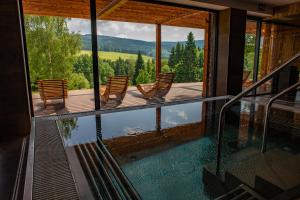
<point>115,44</point>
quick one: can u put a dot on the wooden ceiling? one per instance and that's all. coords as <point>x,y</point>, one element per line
<point>120,10</point>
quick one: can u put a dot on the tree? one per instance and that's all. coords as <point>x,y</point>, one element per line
<point>189,57</point>
<point>106,71</point>
<point>119,67</point>
<point>249,51</point>
<point>139,65</point>
<point>83,64</point>
<point>51,48</point>
<point>181,73</point>
<point>165,69</point>
<point>172,59</point>
<point>179,49</point>
<point>143,77</point>
<point>78,81</point>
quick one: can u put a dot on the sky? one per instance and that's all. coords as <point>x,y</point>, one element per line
<point>137,31</point>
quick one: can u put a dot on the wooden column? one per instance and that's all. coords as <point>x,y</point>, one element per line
<point>158,49</point>
<point>158,119</point>
<point>231,44</point>
<point>15,115</point>
<point>205,75</point>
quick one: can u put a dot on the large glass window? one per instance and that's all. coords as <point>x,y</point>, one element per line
<point>126,50</point>
<point>183,53</point>
<point>60,70</point>
<point>249,55</point>
<point>263,69</point>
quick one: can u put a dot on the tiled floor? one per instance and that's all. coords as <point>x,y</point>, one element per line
<point>83,100</point>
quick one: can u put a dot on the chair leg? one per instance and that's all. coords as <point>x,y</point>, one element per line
<point>64,102</point>
<point>45,103</point>
<point>104,99</point>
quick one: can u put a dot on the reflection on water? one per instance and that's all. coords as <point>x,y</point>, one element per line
<point>181,114</point>
<point>128,123</point>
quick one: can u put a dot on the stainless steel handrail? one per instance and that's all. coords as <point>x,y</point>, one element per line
<point>268,108</point>
<point>237,98</point>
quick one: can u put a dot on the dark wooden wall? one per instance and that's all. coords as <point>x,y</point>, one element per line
<point>15,113</point>
<point>231,43</point>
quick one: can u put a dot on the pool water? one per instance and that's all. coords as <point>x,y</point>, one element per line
<point>162,150</point>
<point>172,174</point>
<point>132,122</point>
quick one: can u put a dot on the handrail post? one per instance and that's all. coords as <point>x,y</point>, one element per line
<point>219,139</point>
<point>267,111</point>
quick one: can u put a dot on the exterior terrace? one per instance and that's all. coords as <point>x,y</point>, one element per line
<point>83,100</point>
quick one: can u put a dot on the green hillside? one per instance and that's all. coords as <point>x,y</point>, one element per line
<point>113,56</point>
<point>115,44</point>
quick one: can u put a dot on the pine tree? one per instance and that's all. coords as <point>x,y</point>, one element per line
<point>189,57</point>
<point>172,61</point>
<point>178,53</point>
<point>118,64</point>
<point>139,65</point>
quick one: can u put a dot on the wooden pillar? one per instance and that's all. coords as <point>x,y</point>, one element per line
<point>158,119</point>
<point>231,44</point>
<point>158,49</point>
<point>15,115</point>
<point>205,75</point>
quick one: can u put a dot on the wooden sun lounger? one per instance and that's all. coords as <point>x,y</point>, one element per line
<point>246,75</point>
<point>116,85</point>
<point>53,89</point>
<point>160,88</point>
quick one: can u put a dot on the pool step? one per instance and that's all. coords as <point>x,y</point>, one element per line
<point>269,174</point>
<point>274,174</point>
<point>242,192</point>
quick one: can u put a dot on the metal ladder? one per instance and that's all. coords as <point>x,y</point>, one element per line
<point>243,94</point>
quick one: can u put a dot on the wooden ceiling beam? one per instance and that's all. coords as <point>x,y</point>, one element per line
<point>177,17</point>
<point>113,5</point>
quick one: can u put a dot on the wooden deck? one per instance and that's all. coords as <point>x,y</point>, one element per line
<point>83,100</point>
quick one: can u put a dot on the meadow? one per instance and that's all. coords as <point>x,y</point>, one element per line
<point>113,56</point>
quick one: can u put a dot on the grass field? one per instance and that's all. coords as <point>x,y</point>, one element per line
<point>115,55</point>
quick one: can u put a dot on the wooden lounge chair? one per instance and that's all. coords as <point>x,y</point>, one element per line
<point>53,89</point>
<point>116,85</point>
<point>160,88</point>
<point>246,75</point>
<point>246,82</point>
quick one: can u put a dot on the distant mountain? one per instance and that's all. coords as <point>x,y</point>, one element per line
<point>108,43</point>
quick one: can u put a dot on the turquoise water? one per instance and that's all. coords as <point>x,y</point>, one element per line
<point>172,174</point>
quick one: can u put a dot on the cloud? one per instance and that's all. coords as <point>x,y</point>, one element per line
<point>80,26</point>
<point>122,36</point>
<point>133,30</point>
